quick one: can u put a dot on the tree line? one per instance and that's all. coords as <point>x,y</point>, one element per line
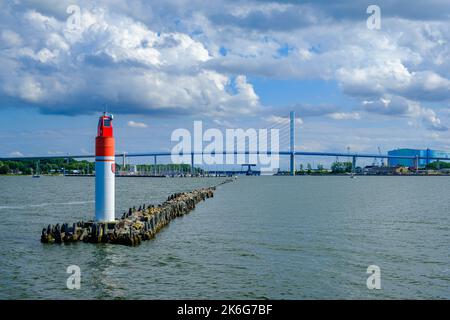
<point>60,165</point>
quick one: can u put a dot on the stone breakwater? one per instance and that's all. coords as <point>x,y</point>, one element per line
<point>134,226</point>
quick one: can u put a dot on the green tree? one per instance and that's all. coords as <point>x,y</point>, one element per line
<point>438,165</point>
<point>4,169</point>
<point>341,167</point>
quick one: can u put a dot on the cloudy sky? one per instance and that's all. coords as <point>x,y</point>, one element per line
<point>160,65</point>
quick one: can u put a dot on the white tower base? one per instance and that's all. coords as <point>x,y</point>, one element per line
<point>104,189</point>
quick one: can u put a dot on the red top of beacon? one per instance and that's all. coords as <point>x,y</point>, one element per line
<point>104,143</point>
<point>105,128</point>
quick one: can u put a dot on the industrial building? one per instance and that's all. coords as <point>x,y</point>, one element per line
<point>426,154</point>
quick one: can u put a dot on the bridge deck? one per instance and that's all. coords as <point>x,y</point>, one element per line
<point>281,153</point>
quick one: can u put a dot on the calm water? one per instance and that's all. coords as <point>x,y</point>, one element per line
<point>259,237</point>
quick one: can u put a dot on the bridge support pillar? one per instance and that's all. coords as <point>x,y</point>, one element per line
<point>154,165</point>
<point>292,164</point>
<point>353,164</point>
<point>292,142</point>
<point>192,163</point>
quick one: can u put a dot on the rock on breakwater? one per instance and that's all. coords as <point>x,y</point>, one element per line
<point>135,226</point>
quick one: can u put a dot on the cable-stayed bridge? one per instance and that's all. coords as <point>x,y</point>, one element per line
<point>286,148</point>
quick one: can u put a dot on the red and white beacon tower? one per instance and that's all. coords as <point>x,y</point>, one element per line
<point>104,170</point>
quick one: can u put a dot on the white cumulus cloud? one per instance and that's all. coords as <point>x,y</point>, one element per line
<point>116,60</point>
<point>16,154</point>
<point>344,116</point>
<point>135,124</point>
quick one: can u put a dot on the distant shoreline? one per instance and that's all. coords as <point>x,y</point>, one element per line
<point>241,175</point>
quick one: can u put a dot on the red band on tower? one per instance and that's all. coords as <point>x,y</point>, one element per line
<point>104,142</point>
<point>104,146</point>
